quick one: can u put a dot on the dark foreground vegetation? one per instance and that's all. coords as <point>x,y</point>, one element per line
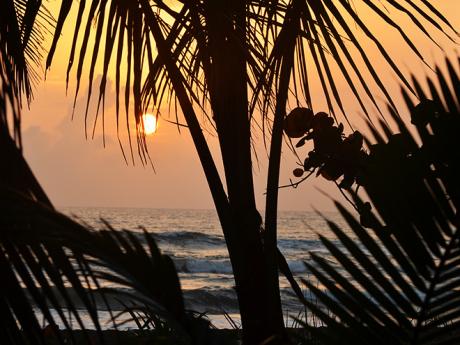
<point>157,337</point>
<point>401,267</point>
<point>397,279</point>
<point>139,337</point>
<point>216,337</point>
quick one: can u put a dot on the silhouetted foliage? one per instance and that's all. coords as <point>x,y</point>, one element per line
<point>55,267</point>
<point>404,252</point>
<point>47,260</point>
<point>334,155</point>
<point>228,57</point>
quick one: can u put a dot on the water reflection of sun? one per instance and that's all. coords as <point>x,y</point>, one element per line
<point>150,123</point>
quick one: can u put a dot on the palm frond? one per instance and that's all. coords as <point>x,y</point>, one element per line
<point>56,269</point>
<point>23,26</point>
<point>327,36</point>
<point>37,270</point>
<point>404,256</point>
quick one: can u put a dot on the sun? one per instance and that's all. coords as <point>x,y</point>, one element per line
<point>150,123</point>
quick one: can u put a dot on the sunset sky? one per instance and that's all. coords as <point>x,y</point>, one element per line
<point>79,172</point>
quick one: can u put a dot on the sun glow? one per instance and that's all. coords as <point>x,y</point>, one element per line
<point>150,123</point>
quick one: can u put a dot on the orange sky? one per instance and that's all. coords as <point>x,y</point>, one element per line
<point>79,172</point>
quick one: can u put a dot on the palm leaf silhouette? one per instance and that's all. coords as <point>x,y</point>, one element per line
<point>322,33</point>
<point>55,267</point>
<point>22,28</point>
<point>51,264</point>
<point>269,41</point>
<point>223,63</point>
<point>405,266</point>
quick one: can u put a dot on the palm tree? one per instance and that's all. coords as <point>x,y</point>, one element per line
<point>397,275</point>
<point>227,59</point>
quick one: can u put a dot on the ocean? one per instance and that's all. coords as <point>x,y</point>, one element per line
<point>194,240</point>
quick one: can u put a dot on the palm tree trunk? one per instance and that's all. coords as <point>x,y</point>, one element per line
<point>229,99</point>
<point>238,214</point>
